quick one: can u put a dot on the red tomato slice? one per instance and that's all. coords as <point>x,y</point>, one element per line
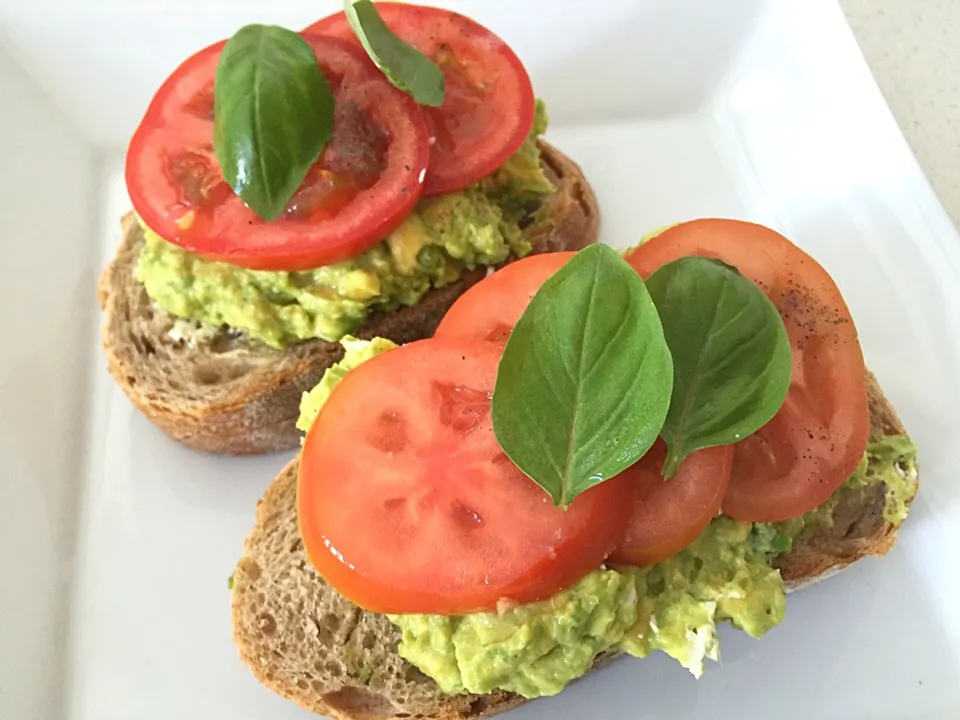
<point>490,309</point>
<point>670,514</point>
<point>815,442</point>
<point>367,180</point>
<point>407,504</point>
<point>488,109</point>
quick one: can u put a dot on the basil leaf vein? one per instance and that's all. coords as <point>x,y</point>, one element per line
<point>731,355</point>
<point>585,380</point>
<point>273,115</point>
<point>405,66</point>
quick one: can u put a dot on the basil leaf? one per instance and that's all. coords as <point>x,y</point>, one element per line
<point>405,66</point>
<point>731,355</point>
<point>584,383</point>
<point>273,114</point>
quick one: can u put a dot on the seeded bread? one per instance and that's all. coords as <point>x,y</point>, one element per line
<point>306,642</point>
<point>219,391</point>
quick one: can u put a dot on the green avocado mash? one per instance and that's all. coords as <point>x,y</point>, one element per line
<point>442,237</point>
<point>723,575</point>
<point>674,606</point>
<point>532,650</point>
<point>894,463</point>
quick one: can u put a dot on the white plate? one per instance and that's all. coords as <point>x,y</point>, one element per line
<point>117,543</point>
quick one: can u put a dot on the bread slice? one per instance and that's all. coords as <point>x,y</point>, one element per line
<point>306,642</point>
<point>220,391</point>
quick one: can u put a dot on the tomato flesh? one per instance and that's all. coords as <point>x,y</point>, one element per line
<point>670,514</point>
<point>796,461</point>
<point>367,180</point>
<point>489,105</point>
<point>490,309</point>
<point>407,504</point>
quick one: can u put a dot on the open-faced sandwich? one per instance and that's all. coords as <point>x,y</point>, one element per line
<point>290,188</point>
<point>597,454</point>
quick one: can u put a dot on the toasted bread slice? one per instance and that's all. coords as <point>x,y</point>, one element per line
<point>306,642</point>
<point>222,392</point>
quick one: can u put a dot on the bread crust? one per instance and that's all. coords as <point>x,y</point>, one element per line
<point>275,566</point>
<point>243,398</point>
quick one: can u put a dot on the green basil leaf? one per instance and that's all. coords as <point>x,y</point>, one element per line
<point>584,383</point>
<point>731,355</point>
<point>273,114</point>
<point>405,66</point>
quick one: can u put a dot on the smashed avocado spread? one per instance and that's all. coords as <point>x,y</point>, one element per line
<point>673,606</point>
<point>725,574</point>
<point>531,650</point>
<point>444,236</point>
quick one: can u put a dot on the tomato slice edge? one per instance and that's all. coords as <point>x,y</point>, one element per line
<point>476,315</point>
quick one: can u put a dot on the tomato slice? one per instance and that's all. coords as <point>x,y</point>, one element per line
<point>407,504</point>
<point>366,181</point>
<point>815,442</point>
<point>490,309</point>
<point>670,514</point>
<point>488,109</point>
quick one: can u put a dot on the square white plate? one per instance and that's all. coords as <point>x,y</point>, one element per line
<point>117,543</point>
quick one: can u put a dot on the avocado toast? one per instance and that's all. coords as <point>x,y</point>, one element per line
<point>417,653</point>
<point>305,641</point>
<point>219,313</point>
<point>218,390</point>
